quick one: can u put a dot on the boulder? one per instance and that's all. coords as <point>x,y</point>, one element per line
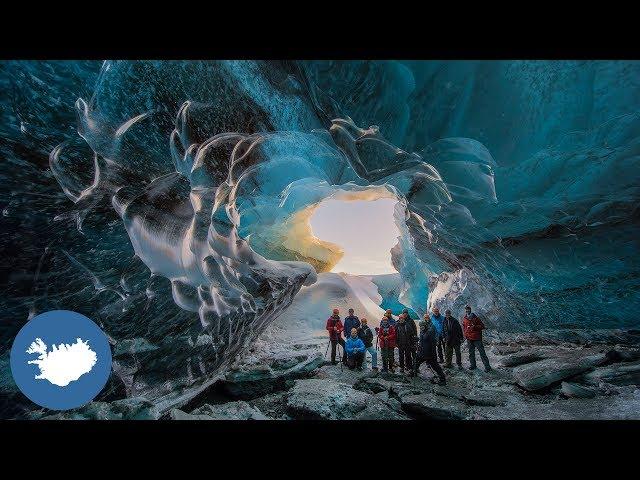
<point>573,390</point>
<point>331,400</point>
<point>520,358</point>
<point>545,373</point>
<point>618,374</point>
<point>382,410</point>
<point>428,406</point>
<point>257,380</point>
<point>619,354</point>
<point>390,400</point>
<point>482,398</point>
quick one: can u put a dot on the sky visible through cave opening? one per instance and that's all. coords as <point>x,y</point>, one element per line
<point>364,229</point>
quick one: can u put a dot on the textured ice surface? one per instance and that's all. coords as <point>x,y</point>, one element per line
<point>169,201</point>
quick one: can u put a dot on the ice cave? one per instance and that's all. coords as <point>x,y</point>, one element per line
<point>173,201</point>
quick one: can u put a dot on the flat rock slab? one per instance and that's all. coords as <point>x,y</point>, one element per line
<point>573,390</point>
<point>618,374</point>
<point>544,373</point>
<point>428,406</point>
<point>485,397</point>
<point>259,380</point>
<point>331,400</point>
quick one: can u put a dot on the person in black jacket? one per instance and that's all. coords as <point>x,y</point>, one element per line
<point>452,335</point>
<point>365,333</point>
<point>406,340</point>
<point>427,350</point>
<point>414,327</point>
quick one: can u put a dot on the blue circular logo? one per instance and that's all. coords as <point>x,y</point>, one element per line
<point>60,360</point>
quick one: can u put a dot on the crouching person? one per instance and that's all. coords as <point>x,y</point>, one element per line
<point>366,335</point>
<point>355,350</point>
<point>427,349</point>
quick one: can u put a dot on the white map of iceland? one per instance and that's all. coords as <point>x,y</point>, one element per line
<point>64,363</point>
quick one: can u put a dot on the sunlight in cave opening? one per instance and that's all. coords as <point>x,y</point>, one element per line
<point>365,230</point>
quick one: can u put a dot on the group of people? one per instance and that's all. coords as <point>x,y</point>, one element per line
<point>438,334</point>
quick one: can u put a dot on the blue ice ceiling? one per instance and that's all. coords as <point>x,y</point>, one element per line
<point>147,194</point>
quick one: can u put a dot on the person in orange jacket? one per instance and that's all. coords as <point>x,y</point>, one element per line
<point>472,327</point>
<point>334,327</point>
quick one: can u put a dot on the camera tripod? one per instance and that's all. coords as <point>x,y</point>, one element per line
<point>338,347</point>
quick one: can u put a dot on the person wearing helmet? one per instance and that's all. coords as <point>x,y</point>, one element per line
<point>387,341</point>
<point>334,327</point>
<point>472,327</point>
<point>388,317</point>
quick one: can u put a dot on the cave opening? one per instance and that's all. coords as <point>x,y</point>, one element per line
<point>365,230</point>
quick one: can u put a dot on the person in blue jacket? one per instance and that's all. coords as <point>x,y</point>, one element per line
<point>355,350</point>
<point>350,321</point>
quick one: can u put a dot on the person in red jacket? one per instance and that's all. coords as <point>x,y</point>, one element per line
<point>334,327</point>
<point>472,327</point>
<point>387,341</point>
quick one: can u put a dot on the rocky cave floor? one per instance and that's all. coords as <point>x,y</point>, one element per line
<point>568,374</point>
<point>555,375</point>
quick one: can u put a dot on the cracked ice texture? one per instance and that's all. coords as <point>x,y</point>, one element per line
<point>161,198</point>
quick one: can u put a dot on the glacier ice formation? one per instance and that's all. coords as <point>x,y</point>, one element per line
<point>170,200</point>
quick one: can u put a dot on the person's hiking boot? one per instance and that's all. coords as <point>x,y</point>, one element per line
<point>447,365</point>
<point>472,368</point>
<point>334,363</point>
<point>459,366</point>
<point>375,369</point>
